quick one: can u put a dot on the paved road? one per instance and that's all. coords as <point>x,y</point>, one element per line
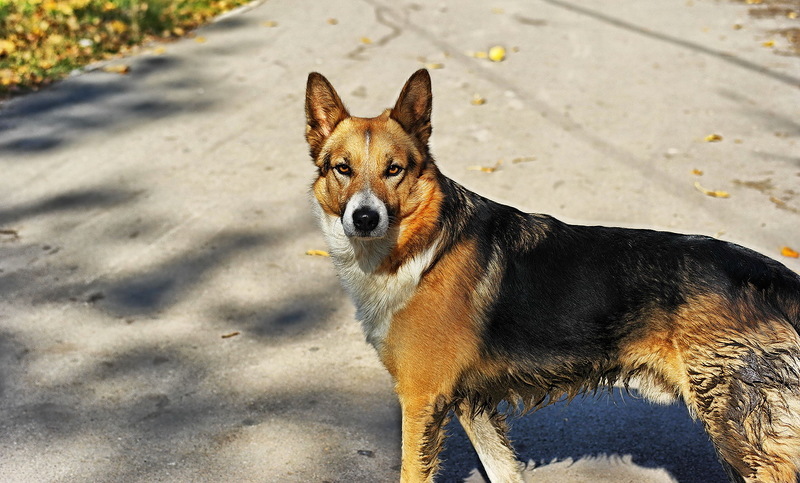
<point>160,321</point>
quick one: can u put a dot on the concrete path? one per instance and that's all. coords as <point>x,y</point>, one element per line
<point>160,321</point>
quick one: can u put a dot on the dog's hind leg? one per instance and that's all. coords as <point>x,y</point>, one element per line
<point>746,391</point>
<point>487,432</point>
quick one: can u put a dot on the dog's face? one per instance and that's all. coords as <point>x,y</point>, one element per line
<point>369,169</point>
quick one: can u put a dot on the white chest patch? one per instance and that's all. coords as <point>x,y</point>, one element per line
<point>377,296</point>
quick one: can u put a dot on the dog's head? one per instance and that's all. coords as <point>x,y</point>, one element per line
<point>370,169</point>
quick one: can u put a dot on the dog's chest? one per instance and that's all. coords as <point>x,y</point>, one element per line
<point>376,295</point>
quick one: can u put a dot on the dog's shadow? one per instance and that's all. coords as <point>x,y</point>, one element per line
<point>620,436</point>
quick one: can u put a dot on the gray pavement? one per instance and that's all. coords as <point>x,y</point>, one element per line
<point>160,321</point>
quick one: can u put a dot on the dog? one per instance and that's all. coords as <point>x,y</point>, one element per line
<point>470,303</point>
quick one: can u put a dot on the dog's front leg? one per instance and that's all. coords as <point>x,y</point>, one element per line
<point>487,432</point>
<point>424,416</point>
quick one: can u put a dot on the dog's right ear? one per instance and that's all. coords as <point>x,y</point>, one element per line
<point>324,110</point>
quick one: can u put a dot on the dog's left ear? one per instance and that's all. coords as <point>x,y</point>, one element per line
<point>324,110</point>
<point>413,108</point>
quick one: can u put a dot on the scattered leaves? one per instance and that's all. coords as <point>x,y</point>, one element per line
<point>788,252</point>
<point>44,40</point>
<point>487,169</point>
<point>318,253</point>
<point>713,138</point>
<point>712,193</point>
<point>231,334</point>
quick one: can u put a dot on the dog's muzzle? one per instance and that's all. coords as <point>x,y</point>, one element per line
<point>365,216</point>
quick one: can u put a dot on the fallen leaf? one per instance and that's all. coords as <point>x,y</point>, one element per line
<point>332,21</point>
<point>434,65</point>
<point>713,138</point>
<point>13,234</point>
<point>777,201</point>
<point>487,169</point>
<point>269,23</point>
<point>788,252</point>
<point>366,40</point>
<point>477,100</point>
<point>768,43</point>
<point>478,55</point>
<point>318,253</point>
<point>200,40</point>
<point>523,159</point>
<point>712,193</point>
<point>7,47</point>
<point>697,172</point>
<point>117,69</point>
<point>497,53</point>
<point>159,50</point>
<point>232,334</point>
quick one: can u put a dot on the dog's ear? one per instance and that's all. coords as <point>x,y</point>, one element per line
<point>413,108</point>
<point>324,110</point>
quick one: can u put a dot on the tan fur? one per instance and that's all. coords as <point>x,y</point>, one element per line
<point>703,353</point>
<point>439,316</point>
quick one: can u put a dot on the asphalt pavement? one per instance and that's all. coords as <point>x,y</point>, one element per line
<point>161,321</point>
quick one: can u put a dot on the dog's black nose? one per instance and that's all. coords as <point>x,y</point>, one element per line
<point>365,219</point>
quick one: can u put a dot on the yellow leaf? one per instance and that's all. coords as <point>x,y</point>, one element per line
<point>477,100</point>
<point>788,252</point>
<point>159,50</point>
<point>269,23</point>
<point>711,193</point>
<point>487,169</point>
<point>117,69</point>
<point>478,55</point>
<point>117,26</point>
<point>697,172</point>
<point>768,43</point>
<point>318,253</point>
<point>434,65</point>
<point>523,159</point>
<point>7,47</point>
<point>200,40</point>
<point>497,53</point>
<point>366,40</point>
<point>332,21</point>
<point>712,138</point>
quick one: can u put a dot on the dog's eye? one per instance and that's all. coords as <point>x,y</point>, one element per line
<point>343,169</point>
<point>393,170</point>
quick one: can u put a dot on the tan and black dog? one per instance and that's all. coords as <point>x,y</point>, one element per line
<point>470,303</point>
